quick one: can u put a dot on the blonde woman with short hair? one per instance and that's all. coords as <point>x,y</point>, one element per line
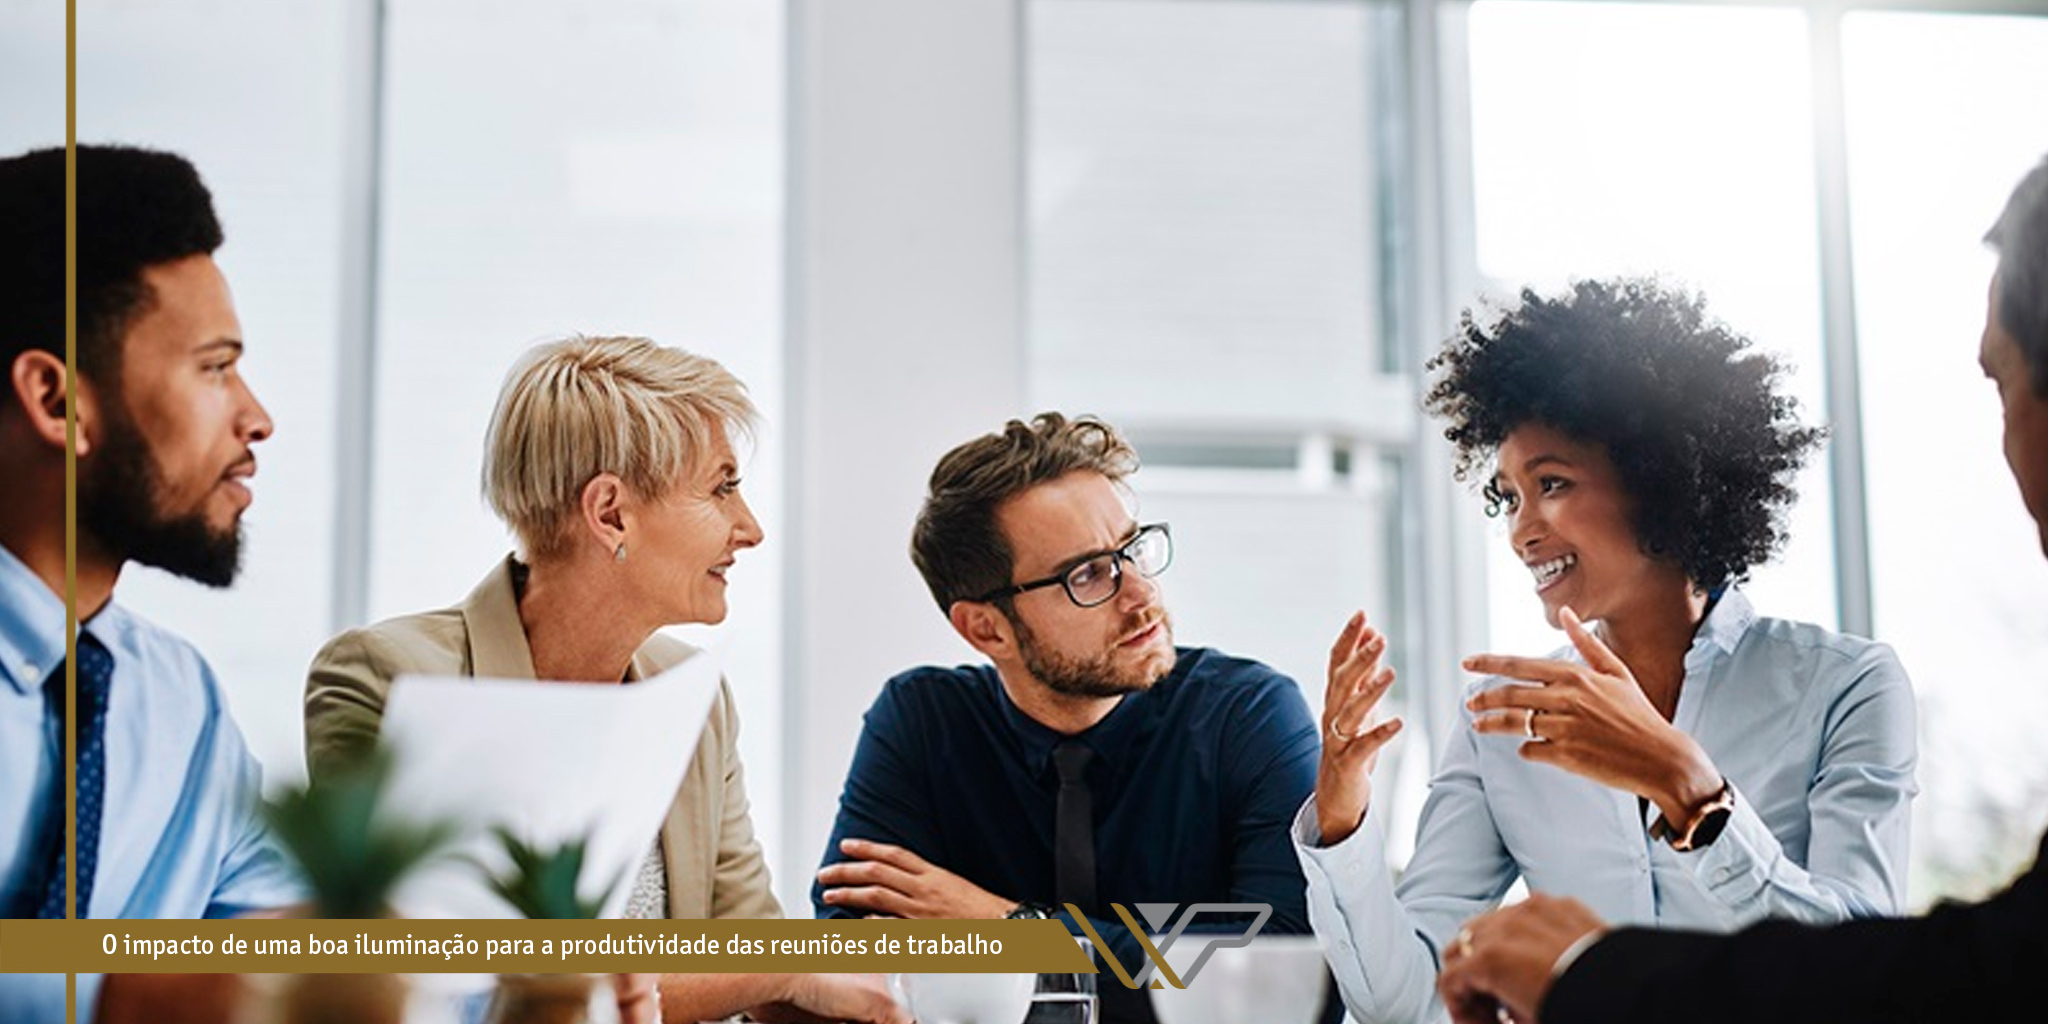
<point>611,459</point>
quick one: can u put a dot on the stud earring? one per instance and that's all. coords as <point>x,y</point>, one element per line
<point>619,553</point>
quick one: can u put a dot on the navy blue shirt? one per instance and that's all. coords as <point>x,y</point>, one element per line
<point>1194,782</point>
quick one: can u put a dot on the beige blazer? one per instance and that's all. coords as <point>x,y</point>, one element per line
<point>715,866</point>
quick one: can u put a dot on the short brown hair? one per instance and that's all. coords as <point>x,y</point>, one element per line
<point>956,544</point>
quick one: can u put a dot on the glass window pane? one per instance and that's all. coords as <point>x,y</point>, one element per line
<point>31,75</point>
<point>553,168</point>
<point>1657,139</point>
<point>1202,258</point>
<point>1944,117</point>
<point>1270,569</point>
<point>179,79</point>
<point>1201,231</point>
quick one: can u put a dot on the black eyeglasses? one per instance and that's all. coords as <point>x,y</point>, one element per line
<point>1097,578</point>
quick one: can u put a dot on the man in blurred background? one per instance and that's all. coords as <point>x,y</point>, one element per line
<point>1552,959</point>
<point>1092,762</point>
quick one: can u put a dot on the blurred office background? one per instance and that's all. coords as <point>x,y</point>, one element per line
<point>1235,227</point>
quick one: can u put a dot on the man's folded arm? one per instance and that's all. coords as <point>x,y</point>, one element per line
<point>1960,962</point>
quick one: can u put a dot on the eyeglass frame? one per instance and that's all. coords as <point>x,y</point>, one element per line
<point>1117,557</point>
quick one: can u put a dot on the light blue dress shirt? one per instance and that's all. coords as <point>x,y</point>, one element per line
<point>179,836</point>
<point>1814,731</point>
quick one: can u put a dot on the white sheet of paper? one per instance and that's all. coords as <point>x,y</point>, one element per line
<point>548,761</point>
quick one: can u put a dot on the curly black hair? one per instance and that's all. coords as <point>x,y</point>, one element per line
<point>136,208</point>
<point>1705,443</point>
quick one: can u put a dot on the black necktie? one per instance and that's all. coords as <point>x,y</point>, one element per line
<point>95,678</point>
<point>1073,863</point>
<point>1073,831</point>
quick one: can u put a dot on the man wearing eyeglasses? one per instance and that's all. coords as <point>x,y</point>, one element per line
<point>1092,762</point>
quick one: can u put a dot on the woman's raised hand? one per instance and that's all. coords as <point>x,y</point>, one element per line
<point>1352,731</point>
<point>1593,720</point>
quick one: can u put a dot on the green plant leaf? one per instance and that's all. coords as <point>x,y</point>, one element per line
<point>542,882</point>
<point>350,855</point>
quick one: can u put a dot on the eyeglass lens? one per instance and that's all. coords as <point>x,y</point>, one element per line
<point>1098,579</point>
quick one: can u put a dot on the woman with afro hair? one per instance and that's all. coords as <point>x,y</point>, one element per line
<point>1683,761</point>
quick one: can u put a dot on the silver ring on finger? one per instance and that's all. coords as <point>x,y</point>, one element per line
<point>1338,735</point>
<point>1529,724</point>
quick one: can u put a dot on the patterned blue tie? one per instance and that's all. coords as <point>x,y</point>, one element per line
<point>95,677</point>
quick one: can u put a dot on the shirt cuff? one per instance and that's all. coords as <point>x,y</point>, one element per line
<point>89,997</point>
<point>1570,956</point>
<point>1736,868</point>
<point>1364,850</point>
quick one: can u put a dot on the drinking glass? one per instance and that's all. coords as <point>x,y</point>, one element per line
<point>1066,998</point>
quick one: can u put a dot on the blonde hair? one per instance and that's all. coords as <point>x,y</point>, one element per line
<point>574,408</point>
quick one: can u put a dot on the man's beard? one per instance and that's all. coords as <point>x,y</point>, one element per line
<point>119,492</point>
<point>1086,677</point>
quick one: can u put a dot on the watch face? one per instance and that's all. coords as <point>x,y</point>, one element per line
<point>1710,826</point>
<point>1707,828</point>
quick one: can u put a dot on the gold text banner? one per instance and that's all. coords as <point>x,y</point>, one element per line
<point>502,947</point>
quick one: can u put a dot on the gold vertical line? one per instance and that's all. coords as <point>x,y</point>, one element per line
<point>70,742</point>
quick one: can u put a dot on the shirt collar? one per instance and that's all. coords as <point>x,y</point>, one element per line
<point>31,625</point>
<point>116,627</point>
<point>1727,620</point>
<point>1109,738</point>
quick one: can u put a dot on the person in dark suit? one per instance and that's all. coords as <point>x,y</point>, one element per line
<point>1553,960</point>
